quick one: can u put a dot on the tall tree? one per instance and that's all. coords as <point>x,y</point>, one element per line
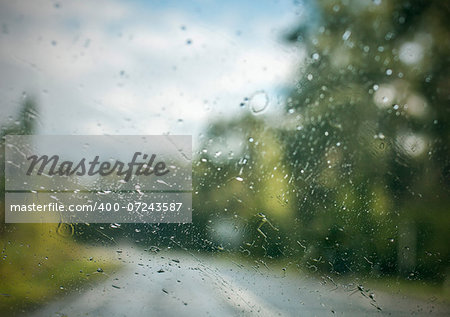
<point>369,137</point>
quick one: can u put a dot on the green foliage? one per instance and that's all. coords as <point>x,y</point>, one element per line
<point>355,179</point>
<point>374,136</point>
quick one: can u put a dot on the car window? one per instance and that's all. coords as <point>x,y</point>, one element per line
<point>307,145</point>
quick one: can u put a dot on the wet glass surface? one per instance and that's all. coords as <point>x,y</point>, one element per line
<point>320,157</point>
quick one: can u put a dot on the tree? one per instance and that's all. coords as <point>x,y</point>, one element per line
<point>24,125</point>
<point>369,143</point>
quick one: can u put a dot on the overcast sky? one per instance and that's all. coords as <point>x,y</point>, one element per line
<point>144,67</point>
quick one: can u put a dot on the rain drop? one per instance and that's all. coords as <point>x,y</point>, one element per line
<point>346,35</point>
<point>259,101</point>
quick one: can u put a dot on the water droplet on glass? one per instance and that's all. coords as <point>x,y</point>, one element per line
<point>346,35</point>
<point>259,101</point>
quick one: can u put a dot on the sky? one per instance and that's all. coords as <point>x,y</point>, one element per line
<point>145,67</point>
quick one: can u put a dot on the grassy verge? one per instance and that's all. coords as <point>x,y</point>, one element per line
<point>38,265</point>
<point>422,290</point>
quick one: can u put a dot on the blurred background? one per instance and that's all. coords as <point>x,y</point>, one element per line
<point>320,130</point>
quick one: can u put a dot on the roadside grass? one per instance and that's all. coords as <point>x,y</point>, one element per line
<point>37,265</point>
<point>419,289</point>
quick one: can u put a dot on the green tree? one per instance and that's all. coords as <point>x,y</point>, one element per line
<point>368,143</point>
<point>24,125</point>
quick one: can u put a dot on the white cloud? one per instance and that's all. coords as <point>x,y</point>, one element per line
<point>112,68</point>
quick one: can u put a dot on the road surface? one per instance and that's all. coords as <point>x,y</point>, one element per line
<point>182,284</point>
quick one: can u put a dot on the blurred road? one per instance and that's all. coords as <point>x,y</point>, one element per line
<point>180,284</point>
